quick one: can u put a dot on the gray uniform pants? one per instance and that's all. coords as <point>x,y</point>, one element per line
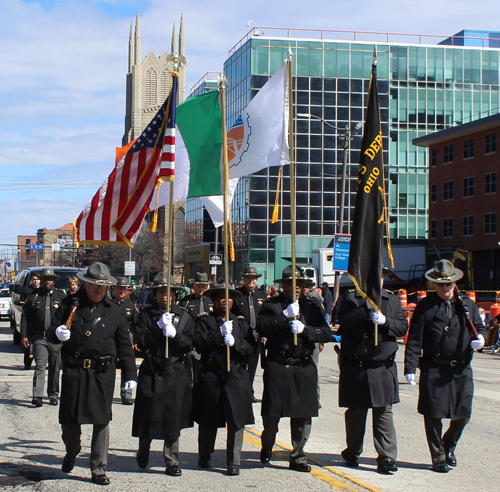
<point>170,450</point>
<point>300,429</point>
<point>45,353</point>
<point>384,433</point>
<point>438,444</point>
<point>71,436</point>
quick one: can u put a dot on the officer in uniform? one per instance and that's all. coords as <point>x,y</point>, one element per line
<point>368,374</point>
<point>198,302</point>
<point>164,392</point>
<point>290,374</point>
<point>220,396</point>
<point>29,289</point>
<point>441,346</point>
<point>91,345</point>
<point>248,306</point>
<point>119,295</point>
<point>36,318</point>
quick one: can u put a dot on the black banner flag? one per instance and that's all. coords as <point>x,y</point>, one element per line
<point>370,212</point>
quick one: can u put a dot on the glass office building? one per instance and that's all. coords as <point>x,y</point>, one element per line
<point>422,88</point>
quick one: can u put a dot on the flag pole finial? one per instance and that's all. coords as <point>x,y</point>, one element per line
<point>375,56</point>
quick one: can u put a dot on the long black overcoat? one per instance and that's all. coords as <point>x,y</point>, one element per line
<point>364,380</point>
<point>445,390</point>
<point>97,331</point>
<point>214,382</point>
<point>291,390</point>
<point>164,393</point>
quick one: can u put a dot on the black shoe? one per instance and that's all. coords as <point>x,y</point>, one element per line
<point>300,467</point>
<point>69,463</point>
<point>451,458</point>
<point>265,455</point>
<point>441,467</point>
<point>233,470</point>
<point>100,479</point>
<point>352,462</point>
<point>37,401</point>
<point>387,465</point>
<point>254,400</point>
<point>204,462</point>
<point>127,401</point>
<point>54,401</point>
<point>173,471</point>
<point>142,460</point>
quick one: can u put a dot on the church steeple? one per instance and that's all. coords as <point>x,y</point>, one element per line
<point>181,37</point>
<point>174,41</point>
<point>131,48</point>
<point>137,41</point>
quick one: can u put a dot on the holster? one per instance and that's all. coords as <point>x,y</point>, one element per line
<point>103,363</point>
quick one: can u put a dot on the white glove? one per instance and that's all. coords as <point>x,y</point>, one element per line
<point>63,333</point>
<point>226,328</point>
<point>169,331</point>
<point>228,340</point>
<point>292,310</point>
<point>166,319</point>
<point>297,326</point>
<point>378,318</point>
<point>130,385</point>
<point>476,344</point>
<point>410,378</point>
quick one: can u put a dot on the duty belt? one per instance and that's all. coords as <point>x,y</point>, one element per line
<point>289,361</point>
<point>89,363</point>
<point>369,364</point>
<point>448,362</point>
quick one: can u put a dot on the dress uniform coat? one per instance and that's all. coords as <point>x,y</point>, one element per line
<point>440,347</point>
<point>370,370</point>
<point>214,379</point>
<point>98,336</point>
<point>191,304</point>
<point>164,391</point>
<point>290,375</point>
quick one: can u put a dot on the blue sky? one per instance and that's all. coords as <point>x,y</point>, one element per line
<point>64,62</point>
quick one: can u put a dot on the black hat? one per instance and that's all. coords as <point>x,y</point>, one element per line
<point>48,272</point>
<point>299,275</point>
<point>161,280</point>
<point>201,278</point>
<point>217,288</point>
<point>251,271</point>
<point>444,272</point>
<point>97,274</point>
<point>122,282</point>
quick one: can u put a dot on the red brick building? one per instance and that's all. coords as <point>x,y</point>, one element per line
<point>464,197</point>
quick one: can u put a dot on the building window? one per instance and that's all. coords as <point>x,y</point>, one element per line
<point>468,148</point>
<point>434,157</point>
<point>434,229</point>
<point>490,223</point>
<point>434,193</point>
<point>448,154</point>
<point>448,227</point>
<point>490,143</point>
<point>448,190</point>
<point>490,183</point>
<point>468,225</point>
<point>469,187</point>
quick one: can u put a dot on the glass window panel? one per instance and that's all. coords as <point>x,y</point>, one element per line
<point>316,63</point>
<point>260,63</point>
<point>342,64</point>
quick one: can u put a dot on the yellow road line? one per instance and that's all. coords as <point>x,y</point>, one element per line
<point>253,437</point>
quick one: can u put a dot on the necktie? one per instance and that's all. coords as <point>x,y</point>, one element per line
<point>202,306</point>
<point>447,309</point>
<point>46,321</point>
<point>251,310</point>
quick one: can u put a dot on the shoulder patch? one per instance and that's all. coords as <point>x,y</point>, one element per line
<point>202,314</point>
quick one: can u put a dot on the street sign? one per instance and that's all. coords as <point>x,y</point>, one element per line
<point>129,268</point>
<point>215,260</point>
<point>213,270</point>
<point>56,247</point>
<point>36,246</point>
<point>341,247</point>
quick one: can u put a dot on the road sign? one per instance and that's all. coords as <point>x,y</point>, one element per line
<point>56,247</point>
<point>213,270</point>
<point>341,247</point>
<point>36,246</point>
<point>215,260</point>
<point>129,268</point>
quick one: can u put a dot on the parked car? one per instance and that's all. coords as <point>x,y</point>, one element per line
<point>5,303</point>
<point>20,290</point>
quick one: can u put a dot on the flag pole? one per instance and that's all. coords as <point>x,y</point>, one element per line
<point>292,183</point>
<point>374,79</point>
<point>222,81</point>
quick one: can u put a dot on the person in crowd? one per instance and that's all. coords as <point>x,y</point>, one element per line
<point>327,302</point>
<point>36,318</point>
<point>223,393</point>
<point>73,283</point>
<point>248,306</point>
<point>441,346</point>
<point>29,289</point>
<point>94,333</point>
<point>368,373</point>
<point>198,302</point>
<point>164,393</point>
<point>290,374</point>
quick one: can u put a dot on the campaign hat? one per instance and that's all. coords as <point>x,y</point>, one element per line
<point>444,272</point>
<point>299,275</point>
<point>97,274</point>
<point>201,278</point>
<point>250,271</point>
<point>48,272</point>
<point>122,281</point>
<point>219,287</point>
<point>162,280</point>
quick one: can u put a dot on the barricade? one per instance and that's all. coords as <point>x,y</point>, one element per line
<point>409,314</point>
<point>471,295</point>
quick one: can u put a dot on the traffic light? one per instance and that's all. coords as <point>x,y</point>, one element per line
<point>18,248</point>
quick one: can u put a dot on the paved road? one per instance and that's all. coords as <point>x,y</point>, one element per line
<point>31,449</point>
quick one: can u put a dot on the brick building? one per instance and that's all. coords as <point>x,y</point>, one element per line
<point>464,200</point>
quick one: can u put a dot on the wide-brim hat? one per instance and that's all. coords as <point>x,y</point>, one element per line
<point>162,280</point>
<point>251,271</point>
<point>201,278</point>
<point>97,274</point>
<point>444,272</point>
<point>48,272</point>
<point>122,282</point>
<point>217,288</point>
<point>299,275</point>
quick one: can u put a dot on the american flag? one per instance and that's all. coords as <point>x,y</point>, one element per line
<point>115,214</point>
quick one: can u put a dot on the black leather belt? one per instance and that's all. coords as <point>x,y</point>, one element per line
<point>81,362</point>
<point>289,361</point>
<point>448,362</point>
<point>369,364</point>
